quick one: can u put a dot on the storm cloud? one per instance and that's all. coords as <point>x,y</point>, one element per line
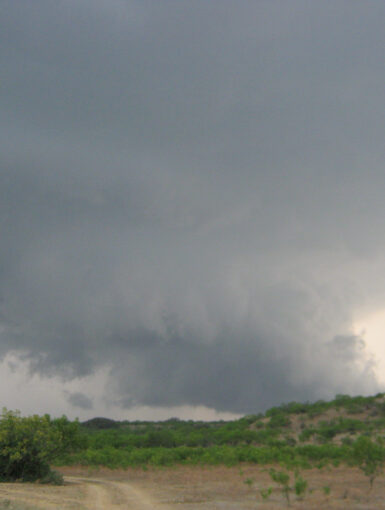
<point>80,400</point>
<point>192,197</point>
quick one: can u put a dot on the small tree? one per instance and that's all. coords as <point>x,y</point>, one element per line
<point>369,456</point>
<point>283,479</point>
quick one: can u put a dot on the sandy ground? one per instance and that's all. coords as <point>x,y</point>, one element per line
<point>190,488</point>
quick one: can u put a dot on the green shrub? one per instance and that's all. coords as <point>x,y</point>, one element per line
<point>29,444</point>
<point>300,485</point>
<point>53,478</point>
<point>265,493</point>
<point>278,420</point>
<point>369,456</point>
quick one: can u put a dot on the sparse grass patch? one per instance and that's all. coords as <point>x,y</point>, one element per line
<point>7,504</point>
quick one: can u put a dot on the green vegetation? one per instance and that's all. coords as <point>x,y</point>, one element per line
<point>300,485</point>
<point>265,493</point>
<point>29,444</point>
<point>296,435</point>
<point>369,456</point>
<point>326,490</point>
<point>282,478</point>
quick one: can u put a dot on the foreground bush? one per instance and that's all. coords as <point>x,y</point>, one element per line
<point>28,445</point>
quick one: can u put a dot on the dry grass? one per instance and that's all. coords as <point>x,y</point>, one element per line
<point>208,488</point>
<point>188,488</point>
<point>7,504</point>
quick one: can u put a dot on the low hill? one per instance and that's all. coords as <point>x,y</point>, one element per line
<point>340,420</point>
<point>101,423</point>
<point>304,433</point>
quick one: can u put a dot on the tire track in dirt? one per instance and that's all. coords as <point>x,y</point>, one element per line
<point>81,494</point>
<point>107,495</point>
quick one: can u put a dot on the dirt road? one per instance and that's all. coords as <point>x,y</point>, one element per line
<point>81,494</point>
<point>106,495</point>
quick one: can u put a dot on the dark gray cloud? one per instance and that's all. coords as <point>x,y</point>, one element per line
<point>80,400</point>
<point>192,194</point>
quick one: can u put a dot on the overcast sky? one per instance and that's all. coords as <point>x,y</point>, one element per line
<point>192,211</point>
